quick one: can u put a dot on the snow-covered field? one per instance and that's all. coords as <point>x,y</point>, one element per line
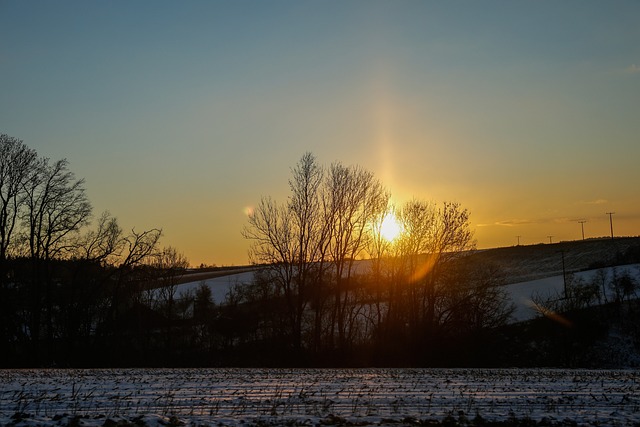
<point>219,285</point>
<point>519,293</point>
<point>197,397</point>
<point>549,287</point>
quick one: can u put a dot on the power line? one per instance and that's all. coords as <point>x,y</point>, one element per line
<point>582,221</point>
<point>610,221</point>
<point>564,276</point>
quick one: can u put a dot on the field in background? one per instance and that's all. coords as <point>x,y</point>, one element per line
<point>530,270</point>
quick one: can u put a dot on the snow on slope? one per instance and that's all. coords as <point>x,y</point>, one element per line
<point>549,287</point>
<point>219,285</point>
<point>519,293</point>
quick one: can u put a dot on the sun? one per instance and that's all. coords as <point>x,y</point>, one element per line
<point>390,228</point>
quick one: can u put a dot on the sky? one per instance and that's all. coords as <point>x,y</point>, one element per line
<point>182,115</point>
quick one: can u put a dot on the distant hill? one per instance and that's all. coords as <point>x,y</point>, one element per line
<point>211,273</point>
<point>519,263</point>
<point>523,263</point>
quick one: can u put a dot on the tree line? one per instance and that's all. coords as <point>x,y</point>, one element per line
<point>328,287</point>
<point>334,290</point>
<point>344,289</point>
<point>66,281</point>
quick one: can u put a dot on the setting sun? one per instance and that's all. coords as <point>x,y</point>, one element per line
<point>390,228</point>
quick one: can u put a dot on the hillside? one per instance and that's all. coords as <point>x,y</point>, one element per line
<point>199,275</point>
<point>523,263</point>
<point>519,263</point>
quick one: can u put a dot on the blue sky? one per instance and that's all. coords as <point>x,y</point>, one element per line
<point>180,115</point>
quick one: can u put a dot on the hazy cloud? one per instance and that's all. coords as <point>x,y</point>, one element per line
<point>594,202</point>
<point>509,223</point>
<point>516,222</point>
<point>564,220</point>
<point>632,69</point>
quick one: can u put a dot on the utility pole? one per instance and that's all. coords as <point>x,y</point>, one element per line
<point>518,237</point>
<point>550,239</point>
<point>564,276</point>
<point>582,221</point>
<point>611,221</point>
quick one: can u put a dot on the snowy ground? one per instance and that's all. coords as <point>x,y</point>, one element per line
<point>219,285</point>
<point>550,287</point>
<point>520,293</point>
<point>316,396</point>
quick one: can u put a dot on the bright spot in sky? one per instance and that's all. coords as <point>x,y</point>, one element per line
<point>390,228</point>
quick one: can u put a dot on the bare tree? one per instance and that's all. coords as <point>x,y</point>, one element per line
<point>104,244</point>
<point>203,303</point>
<point>56,207</point>
<point>432,238</point>
<point>474,299</point>
<point>353,199</point>
<point>309,228</point>
<point>16,162</point>
<point>170,266</point>
<point>287,239</point>
<point>269,229</point>
<point>415,258</point>
<point>451,238</point>
<point>623,285</point>
<point>139,247</point>
<point>381,252</point>
<point>325,223</point>
<point>333,220</point>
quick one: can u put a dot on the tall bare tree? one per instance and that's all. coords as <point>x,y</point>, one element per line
<point>309,228</point>
<point>451,238</point>
<point>384,258</point>
<point>415,257</point>
<point>274,246</point>
<point>433,238</point>
<point>56,207</point>
<point>288,240</point>
<point>334,219</point>
<point>353,199</point>
<point>16,163</point>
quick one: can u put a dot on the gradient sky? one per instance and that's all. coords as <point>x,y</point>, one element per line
<point>180,115</point>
